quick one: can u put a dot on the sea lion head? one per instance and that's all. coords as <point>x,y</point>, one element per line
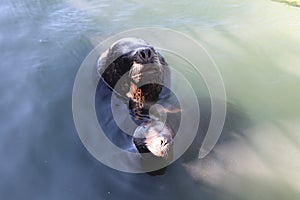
<point>155,137</point>
<point>131,63</point>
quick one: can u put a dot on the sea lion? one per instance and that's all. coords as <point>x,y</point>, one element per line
<point>134,70</point>
<point>154,136</point>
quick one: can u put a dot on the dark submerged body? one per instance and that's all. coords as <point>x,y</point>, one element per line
<point>119,66</point>
<point>116,135</point>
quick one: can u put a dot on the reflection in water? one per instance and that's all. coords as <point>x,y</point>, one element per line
<point>254,43</point>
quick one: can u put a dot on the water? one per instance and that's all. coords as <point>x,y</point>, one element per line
<point>256,47</point>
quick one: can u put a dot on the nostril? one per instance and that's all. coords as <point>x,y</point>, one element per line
<point>149,53</point>
<point>145,54</point>
<point>163,142</point>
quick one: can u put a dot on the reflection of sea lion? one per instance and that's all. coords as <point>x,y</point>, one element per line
<point>134,70</point>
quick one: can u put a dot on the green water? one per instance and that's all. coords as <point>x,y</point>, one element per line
<point>255,45</point>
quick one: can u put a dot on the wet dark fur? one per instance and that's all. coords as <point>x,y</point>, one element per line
<point>120,61</point>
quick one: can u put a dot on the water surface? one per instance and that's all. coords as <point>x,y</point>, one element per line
<point>256,47</point>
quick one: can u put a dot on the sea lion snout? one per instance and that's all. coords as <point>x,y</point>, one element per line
<point>146,63</point>
<point>154,136</point>
<point>145,55</point>
<point>159,145</point>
